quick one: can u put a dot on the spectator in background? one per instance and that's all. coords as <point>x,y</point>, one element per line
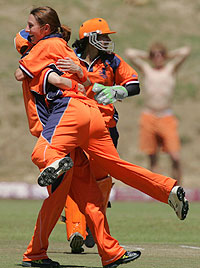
<point>158,124</point>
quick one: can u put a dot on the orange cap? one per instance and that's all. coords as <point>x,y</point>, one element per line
<point>98,25</point>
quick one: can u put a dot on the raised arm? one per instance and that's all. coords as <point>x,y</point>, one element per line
<point>137,57</point>
<point>178,56</point>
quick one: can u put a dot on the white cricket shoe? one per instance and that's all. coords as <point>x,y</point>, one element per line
<point>178,202</point>
<point>50,174</point>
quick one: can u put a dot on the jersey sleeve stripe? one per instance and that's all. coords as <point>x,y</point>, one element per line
<point>132,82</point>
<point>25,71</point>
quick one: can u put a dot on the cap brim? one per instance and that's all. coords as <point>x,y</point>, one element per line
<point>111,32</point>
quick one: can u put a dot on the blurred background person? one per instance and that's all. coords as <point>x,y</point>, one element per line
<point>158,124</point>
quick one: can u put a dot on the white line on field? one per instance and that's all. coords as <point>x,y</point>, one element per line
<point>183,246</point>
<point>131,247</point>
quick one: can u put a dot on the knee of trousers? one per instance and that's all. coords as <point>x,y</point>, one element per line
<point>37,159</point>
<point>105,186</point>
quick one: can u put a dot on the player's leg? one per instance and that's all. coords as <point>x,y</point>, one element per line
<point>172,145</point>
<point>62,133</point>
<point>75,226</point>
<point>65,130</point>
<point>105,186</point>
<point>45,153</point>
<point>47,218</point>
<point>155,185</point>
<point>103,179</point>
<point>75,220</point>
<point>104,182</point>
<point>88,196</point>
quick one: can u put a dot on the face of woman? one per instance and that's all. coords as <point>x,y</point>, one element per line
<point>36,32</point>
<point>104,39</point>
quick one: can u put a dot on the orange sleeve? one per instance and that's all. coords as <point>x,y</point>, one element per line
<point>38,58</point>
<point>45,53</point>
<point>124,73</point>
<point>35,105</point>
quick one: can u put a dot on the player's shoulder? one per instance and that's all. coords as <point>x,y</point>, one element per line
<point>113,59</point>
<point>52,41</point>
<point>113,56</point>
<point>117,56</point>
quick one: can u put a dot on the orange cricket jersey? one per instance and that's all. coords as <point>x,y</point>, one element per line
<point>46,52</point>
<point>44,55</point>
<point>113,71</point>
<point>35,104</point>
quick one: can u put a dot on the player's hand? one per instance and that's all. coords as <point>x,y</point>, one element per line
<point>109,94</point>
<point>81,88</point>
<point>68,65</point>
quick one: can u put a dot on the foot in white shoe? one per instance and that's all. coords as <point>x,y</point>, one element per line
<point>178,202</point>
<point>49,175</point>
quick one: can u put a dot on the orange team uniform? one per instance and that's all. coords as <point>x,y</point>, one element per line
<point>75,121</point>
<point>37,113</point>
<point>113,71</point>
<point>156,131</point>
<point>35,105</point>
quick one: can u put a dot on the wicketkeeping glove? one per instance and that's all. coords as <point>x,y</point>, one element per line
<point>109,94</point>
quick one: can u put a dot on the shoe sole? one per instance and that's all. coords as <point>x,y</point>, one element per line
<point>38,265</point>
<point>29,264</point>
<point>124,261</point>
<point>137,255</point>
<point>181,196</point>
<point>77,243</point>
<point>50,174</point>
<point>25,264</point>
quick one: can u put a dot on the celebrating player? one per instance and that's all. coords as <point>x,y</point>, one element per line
<point>38,113</point>
<point>112,79</point>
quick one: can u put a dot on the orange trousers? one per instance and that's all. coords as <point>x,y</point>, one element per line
<point>75,124</point>
<point>81,125</point>
<point>158,132</point>
<point>87,195</point>
<point>75,220</point>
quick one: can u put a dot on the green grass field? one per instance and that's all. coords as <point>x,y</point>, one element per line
<point>151,227</point>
